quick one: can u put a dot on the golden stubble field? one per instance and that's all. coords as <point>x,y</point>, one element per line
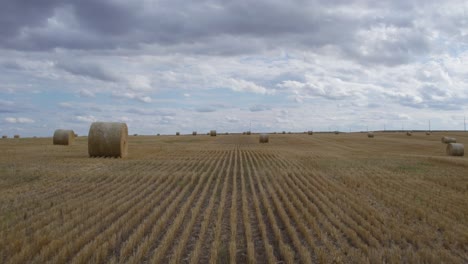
<point>198,199</point>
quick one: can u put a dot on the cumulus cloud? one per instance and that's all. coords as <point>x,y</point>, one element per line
<point>240,85</point>
<point>338,59</point>
<point>131,95</point>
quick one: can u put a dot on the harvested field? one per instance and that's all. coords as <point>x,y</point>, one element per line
<point>185,199</point>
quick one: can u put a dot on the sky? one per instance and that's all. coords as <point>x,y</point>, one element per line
<point>163,66</point>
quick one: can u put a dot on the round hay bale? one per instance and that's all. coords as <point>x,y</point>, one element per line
<point>63,137</point>
<point>213,133</point>
<point>337,132</point>
<point>194,133</point>
<point>310,132</point>
<point>448,140</point>
<point>16,136</point>
<point>428,133</point>
<point>158,134</point>
<point>455,149</point>
<point>370,135</point>
<point>4,136</point>
<point>135,135</point>
<point>263,138</point>
<point>409,133</point>
<point>177,133</point>
<point>108,139</point>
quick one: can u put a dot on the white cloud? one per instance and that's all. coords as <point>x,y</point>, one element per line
<point>145,99</point>
<point>86,119</point>
<point>232,119</point>
<point>18,120</point>
<point>139,83</point>
<point>240,85</point>
<point>65,105</point>
<point>131,95</point>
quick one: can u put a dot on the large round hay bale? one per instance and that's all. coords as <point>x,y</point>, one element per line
<point>263,138</point>
<point>447,140</point>
<point>177,133</point>
<point>370,135</point>
<point>428,133</point>
<point>107,139</point>
<point>409,133</point>
<point>194,133</point>
<point>310,132</point>
<point>455,149</point>
<point>4,136</point>
<point>63,137</point>
<point>16,136</point>
<point>213,133</point>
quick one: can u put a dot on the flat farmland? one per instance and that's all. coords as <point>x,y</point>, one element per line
<point>198,199</point>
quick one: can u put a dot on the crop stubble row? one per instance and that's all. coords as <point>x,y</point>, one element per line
<point>233,202</point>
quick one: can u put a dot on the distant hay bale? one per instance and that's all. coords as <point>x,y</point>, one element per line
<point>455,149</point>
<point>213,133</point>
<point>108,139</point>
<point>194,133</point>
<point>409,133</point>
<point>263,138</point>
<point>177,133</point>
<point>4,136</point>
<point>447,140</point>
<point>337,132</point>
<point>310,132</point>
<point>428,133</point>
<point>370,135</point>
<point>16,136</point>
<point>63,137</point>
<point>158,134</point>
<point>135,135</point>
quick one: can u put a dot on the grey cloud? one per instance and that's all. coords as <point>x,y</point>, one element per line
<point>151,112</point>
<point>18,14</point>
<point>88,70</point>
<point>7,107</point>
<point>219,27</point>
<point>258,108</point>
<point>11,65</point>
<point>205,109</point>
